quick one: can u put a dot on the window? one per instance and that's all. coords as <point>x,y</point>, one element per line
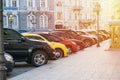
<point>43,3</point>
<point>31,21</point>
<point>13,21</point>
<point>35,37</point>
<point>43,21</point>
<point>4,3</point>
<point>10,3</point>
<point>14,3</point>
<point>76,16</point>
<point>59,3</point>
<point>50,37</point>
<point>59,15</point>
<point>30,3</point>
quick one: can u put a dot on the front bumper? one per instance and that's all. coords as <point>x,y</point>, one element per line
<point>9,65</point>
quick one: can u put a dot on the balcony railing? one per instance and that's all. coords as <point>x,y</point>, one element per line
<point>10,8</point>
<point>76,8</point>
<point>44,9</point>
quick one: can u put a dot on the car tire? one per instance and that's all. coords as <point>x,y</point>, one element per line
<point>39,58</point>
<point>59,53</point>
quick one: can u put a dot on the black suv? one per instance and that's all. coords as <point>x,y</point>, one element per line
<point>23,49</point>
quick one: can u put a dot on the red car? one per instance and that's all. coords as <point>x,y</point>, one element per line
<point>65,36</point>
<point>74,35</point>
<point>72,46</point>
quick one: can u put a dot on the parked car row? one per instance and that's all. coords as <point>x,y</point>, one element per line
<point>73,40</point>
<point>38,47</point>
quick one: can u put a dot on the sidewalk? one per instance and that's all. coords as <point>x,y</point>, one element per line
<point>93,63</point>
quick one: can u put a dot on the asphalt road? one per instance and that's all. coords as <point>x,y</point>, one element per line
<point>20,67</point>
<point>89,64</point>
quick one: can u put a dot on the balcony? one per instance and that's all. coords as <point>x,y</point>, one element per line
<point>77,8</point>
<point>44,9</point>
<point>10,8</point>
<point>23,8</point>
<point>32,8</point>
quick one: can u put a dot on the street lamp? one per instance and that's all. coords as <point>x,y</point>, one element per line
<point>11,19</point>
<point>97,9</point>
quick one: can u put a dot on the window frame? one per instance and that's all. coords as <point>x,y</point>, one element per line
<point>32,4</point>
<point>31,25</point>
<point>43,21</point>
<point>45,3</point>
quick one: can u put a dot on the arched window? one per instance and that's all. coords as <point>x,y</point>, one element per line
<point>31,21</point>
<point>43,21</point>
<point>43,3</point>
<point>13,21</point>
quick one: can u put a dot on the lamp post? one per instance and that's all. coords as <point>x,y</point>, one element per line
<point>97,9</point>
<point>2,58</point>
<point>11,19</point>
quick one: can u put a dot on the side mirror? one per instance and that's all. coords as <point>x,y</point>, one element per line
<point>21,39</point>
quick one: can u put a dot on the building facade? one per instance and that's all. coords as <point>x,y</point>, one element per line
<point>74,14</point>
<point>28,14</point>
<point>49,14</point>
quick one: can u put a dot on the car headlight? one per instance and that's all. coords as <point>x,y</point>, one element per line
<point>8,57</point>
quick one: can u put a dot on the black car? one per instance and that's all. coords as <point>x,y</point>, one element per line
<point>9,62</point>
<point>24,49</point>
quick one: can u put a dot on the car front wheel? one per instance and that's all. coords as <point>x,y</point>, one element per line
<point>39,58</point>
<point>59,53</point>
